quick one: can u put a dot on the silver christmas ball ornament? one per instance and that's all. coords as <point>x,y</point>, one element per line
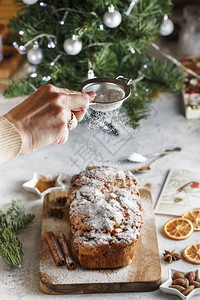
<point>112,18</point>
<point>29,2</point>
<point>167,26</point>
<point>72,46</point>
<point>35,55</point>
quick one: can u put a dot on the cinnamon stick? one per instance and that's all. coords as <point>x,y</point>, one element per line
<point>68,259</point>
<point>55,248</point>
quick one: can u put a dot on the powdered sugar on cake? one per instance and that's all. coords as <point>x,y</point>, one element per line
<point>105,207</point>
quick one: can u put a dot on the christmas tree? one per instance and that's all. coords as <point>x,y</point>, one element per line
<point>69,41</point>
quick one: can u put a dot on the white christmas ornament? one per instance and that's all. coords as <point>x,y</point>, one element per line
<point>35,55</point>
<point>29,2</point>
<point>112,18</point>
<point>167,26</point>
<point>72,46</point>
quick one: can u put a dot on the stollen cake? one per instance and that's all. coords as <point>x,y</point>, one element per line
<point>105,217</point>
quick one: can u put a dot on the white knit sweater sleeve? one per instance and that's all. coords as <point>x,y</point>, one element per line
<point>10,140</point>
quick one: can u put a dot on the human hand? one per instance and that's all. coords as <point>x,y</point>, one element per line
<point>44,117</point>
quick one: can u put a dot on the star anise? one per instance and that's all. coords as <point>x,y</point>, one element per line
<point>170,256</point>
<point>55,212</point>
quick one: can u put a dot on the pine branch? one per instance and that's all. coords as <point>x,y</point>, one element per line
<point>14,220</point>
<point>164,74</point>
<point>18,223</point>
<point>21,87</point>
<point>16,209</point>
<point>11,248</point>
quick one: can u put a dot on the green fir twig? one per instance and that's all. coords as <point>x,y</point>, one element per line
<point>17,208</point>
<point>11,248</point>
<point>11,222</point>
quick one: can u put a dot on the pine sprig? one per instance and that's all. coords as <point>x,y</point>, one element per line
<point>11,248</point>
<point>15,219</point>
<point>17,223</point>
<point>16,209</point>
<point>11,222</point>
<point>21,87</point>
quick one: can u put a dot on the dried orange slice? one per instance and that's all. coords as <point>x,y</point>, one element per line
<point>192,253</point>
<point>194,217</point>
<point>178,228</point>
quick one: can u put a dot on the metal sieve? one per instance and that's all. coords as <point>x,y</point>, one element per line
<point>110,92</point>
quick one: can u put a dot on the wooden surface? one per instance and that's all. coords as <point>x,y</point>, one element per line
<point>144,274</point>
<point>8,10</point>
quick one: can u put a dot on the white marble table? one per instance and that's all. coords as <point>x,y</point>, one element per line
<point>165,128</point>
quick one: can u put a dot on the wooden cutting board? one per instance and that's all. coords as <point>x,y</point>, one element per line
<point>144,274</point>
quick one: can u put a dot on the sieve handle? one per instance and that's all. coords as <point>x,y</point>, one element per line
<point>129,82</point>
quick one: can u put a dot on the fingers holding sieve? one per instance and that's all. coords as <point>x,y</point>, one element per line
<point>72,123</point>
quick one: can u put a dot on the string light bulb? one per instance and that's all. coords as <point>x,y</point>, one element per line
<point>33,75</point>
<point>43,4</point>
<point>101,27</point>
<point>132,49</point>
<point>129,10</point>
<point>55,60</point>
<point>62,22</point>
<point>51,45</point>
<point>46,78</point>
<point>91,74</point>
